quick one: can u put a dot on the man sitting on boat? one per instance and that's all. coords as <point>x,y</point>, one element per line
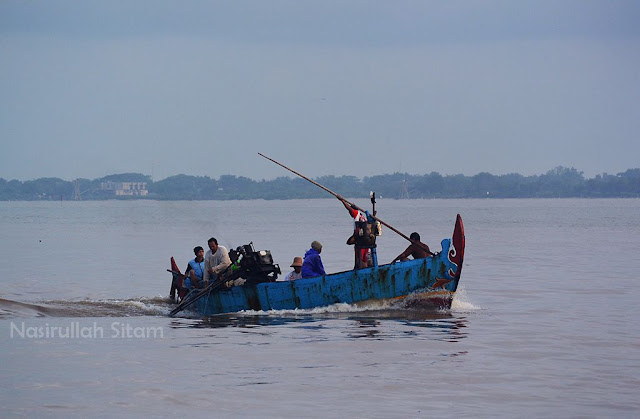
<point>312,264</point>
<point>297,270</point>
<point>216,261</point>
<point>195,270</point>
<point>416,249</point>
<point>192,278</point>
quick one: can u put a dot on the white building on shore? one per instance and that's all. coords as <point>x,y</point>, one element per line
<point>126,188</point>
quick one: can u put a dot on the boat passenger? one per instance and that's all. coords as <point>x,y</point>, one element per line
<point>297,270</point>
<point>312,264</point>
<point>416,249</point>
<point>195,269</point>
<point>192,277</point>
<point>216,261</point>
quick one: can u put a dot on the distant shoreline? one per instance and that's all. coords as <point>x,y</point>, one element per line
<point>560,182</point>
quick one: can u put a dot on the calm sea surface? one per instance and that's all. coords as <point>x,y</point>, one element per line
<point>546,322</point>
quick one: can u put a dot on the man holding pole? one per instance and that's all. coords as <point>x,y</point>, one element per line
<point>362,238</point>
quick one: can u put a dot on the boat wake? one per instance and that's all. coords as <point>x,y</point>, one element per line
<point>161,306</point>
<point>156,306</point>
<point>369,313</point>
<point>380,308</point>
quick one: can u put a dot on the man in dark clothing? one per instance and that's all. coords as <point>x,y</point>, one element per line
<point>360,222</point>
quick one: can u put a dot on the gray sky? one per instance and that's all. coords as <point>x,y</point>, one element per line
<point>91,88</point>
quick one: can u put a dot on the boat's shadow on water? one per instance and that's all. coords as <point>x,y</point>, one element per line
<point>372,324</point>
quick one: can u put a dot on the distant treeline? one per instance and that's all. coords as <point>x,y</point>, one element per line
<point>560,182</point>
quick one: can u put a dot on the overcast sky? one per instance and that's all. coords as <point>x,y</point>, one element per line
<point>91,88</point>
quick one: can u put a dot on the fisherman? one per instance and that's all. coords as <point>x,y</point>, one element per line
<point>216,261</point>
<point>297,270</point>
<point>363,237</point>
<point>416,249</point>
<point>312,264</point>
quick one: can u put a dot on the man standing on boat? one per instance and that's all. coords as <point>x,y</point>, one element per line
<point>417,249</point>
<point>363,237</point>
<point>216,261</point>
<point>312,264</point>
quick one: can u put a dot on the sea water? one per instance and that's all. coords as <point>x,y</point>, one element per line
<point>545,321</point>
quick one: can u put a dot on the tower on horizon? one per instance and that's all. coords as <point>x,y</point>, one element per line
<point>77,196</point>
<point>404,193</point>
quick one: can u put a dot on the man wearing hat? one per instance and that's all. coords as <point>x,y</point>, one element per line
<point>297,269</point>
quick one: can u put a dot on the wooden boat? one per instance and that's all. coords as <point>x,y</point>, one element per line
<point>430,283</point>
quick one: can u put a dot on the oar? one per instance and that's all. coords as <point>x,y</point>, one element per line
<point>354,206</point>
<point>199,295</point>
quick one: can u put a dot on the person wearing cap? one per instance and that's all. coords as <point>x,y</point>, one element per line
<point>297,269</point>
<point>312,264</point>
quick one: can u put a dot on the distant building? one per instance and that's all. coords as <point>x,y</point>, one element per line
<point>125,188</point>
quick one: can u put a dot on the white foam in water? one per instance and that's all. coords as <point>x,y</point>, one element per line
<point>334,308</point>
<point>145,307</point>
<point>152,306</point>
<point>461,301</point>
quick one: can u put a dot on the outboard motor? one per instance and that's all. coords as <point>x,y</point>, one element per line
<point>253,266</point>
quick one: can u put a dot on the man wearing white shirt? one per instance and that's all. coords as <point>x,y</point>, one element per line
<point>216,261</point>
<point>297,270</point>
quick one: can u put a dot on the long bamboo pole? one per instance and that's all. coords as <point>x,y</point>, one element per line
<point>354,206</point>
